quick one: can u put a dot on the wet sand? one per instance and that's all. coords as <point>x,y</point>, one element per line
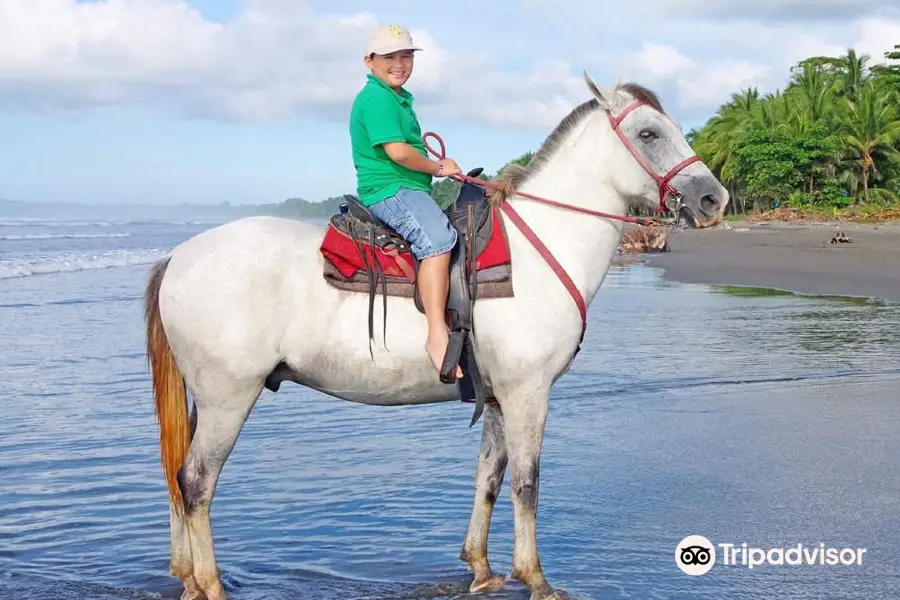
<point>789,256</point>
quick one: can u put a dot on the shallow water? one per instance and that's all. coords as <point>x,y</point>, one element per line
<point>770,420</point>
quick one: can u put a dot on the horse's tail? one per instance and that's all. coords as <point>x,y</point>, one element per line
<point>168,389</point>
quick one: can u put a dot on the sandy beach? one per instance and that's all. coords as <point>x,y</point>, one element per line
<point>795,257</point>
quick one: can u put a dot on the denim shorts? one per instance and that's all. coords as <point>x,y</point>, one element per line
<point>416,216</point>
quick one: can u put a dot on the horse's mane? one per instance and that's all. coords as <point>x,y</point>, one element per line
<point>514,175</point>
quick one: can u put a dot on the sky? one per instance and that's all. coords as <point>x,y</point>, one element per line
<point>246,101</point>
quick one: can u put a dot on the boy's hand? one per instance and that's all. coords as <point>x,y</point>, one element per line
<point>448,168</point>
<point>404,154</point>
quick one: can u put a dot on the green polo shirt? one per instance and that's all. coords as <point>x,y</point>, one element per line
<point>381,115</point>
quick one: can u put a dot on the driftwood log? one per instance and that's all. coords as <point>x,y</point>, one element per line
<point>639,240</point>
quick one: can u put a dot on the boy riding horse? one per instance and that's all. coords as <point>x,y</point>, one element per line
<point>394,174</point>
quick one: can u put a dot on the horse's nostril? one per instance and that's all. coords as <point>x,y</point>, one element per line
<point>709,204</point>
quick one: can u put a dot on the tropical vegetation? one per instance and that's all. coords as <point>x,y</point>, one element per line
<point>829,140</point>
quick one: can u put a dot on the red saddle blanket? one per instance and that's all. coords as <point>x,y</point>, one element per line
<point>348,262</point>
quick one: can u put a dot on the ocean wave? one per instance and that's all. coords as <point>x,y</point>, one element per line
<point>72,262</point>
<point>36,222</point>
<point>61,236</point>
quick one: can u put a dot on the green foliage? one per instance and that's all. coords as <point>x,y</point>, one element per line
<point>829,138</point>
<point>831,193</point>
<point>889,74</point>
<point>444,191</point>
<point>774,162</point>
<point>300,208</point>
<point>313,209</point>
<point>524,159</point>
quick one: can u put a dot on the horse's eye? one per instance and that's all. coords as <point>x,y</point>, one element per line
<point>648,134</point>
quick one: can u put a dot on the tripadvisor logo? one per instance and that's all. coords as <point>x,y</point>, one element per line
<point>696,555</point>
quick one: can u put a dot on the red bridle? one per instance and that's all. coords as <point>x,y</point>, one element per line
<point>666,192</point>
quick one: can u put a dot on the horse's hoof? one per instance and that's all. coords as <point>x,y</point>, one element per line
<point>545,592</point>
<point>552,596</point>
<point>487,584</point>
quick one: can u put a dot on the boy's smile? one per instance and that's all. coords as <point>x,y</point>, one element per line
<point>394,69</point>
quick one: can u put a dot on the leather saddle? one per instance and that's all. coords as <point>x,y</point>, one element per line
<point>473,218</point>
<point>470,214</point>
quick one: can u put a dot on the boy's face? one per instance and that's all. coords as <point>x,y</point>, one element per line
<point>394,69</point>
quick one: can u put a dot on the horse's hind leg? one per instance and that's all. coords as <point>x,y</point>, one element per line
<point>488,480</point>
<point>220,417</point>
<point>181,564</point>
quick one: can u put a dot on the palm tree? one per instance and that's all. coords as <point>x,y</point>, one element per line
<point>745,100</point>
<point>871,129</point>
<point>716,140</point>
<point>890,73</point>
<point>814,90</point>
<point>777,110</point>
<point>854,73</point>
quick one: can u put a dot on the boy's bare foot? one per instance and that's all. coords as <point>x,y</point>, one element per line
<point>436,346</point>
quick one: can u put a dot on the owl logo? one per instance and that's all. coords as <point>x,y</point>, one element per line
<point>396,30</point>
<point>695,555</point>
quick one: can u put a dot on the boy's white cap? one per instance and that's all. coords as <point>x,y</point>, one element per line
<point>390,38</point>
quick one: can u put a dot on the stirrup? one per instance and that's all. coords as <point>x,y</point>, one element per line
<point>451,357</point>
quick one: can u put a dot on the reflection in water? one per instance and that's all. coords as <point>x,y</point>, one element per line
<point>766,419</point>
<point>829,323</point>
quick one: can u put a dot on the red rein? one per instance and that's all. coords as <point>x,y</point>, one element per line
<point>665,191</point>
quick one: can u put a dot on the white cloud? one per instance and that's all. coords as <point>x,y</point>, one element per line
<point>776,10</point>
<point>274,60</point>
<point>877,36</point>
<point>280,58</point>
<point>261,66</point>
<point>660,11</point>
<point>697,65</point>
<point>658,62</point>
<point>696,86</point>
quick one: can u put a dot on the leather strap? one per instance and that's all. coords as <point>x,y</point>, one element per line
<point>551,260</point>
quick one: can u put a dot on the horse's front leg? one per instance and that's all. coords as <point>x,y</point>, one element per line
<point>524,415</point>
<point>488,480</point>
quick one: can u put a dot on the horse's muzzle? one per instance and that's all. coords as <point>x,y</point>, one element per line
<point>704,200</point>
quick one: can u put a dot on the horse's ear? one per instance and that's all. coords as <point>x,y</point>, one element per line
<point>603,95</point>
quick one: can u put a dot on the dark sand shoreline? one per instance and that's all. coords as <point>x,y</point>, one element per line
<point>792,257</point>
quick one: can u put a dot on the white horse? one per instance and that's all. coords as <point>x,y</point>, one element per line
<point>228,306</point>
